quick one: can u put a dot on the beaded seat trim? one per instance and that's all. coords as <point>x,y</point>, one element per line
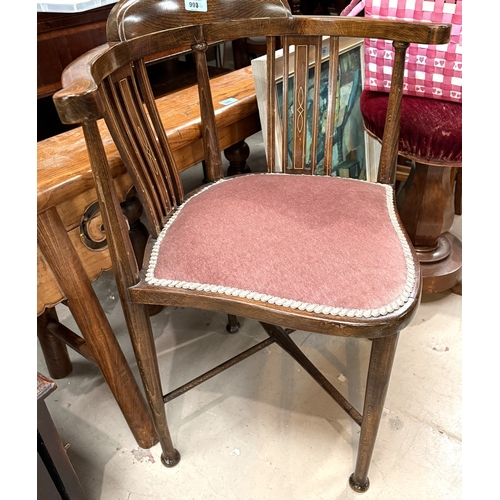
<point>334,309</point>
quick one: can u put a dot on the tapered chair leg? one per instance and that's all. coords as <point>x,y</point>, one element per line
<point>233,325</point>
<point>145,352</point>
<point>379,372</point>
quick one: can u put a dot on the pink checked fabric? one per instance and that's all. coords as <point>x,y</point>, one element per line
<point>326,245</point>
<point>433,71</point>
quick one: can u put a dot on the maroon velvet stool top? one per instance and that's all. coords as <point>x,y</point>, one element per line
<point>431,130</point>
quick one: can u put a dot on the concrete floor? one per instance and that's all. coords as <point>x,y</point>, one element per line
<point>264,429</point>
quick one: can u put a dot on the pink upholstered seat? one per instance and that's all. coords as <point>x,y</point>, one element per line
<point>275,224</point>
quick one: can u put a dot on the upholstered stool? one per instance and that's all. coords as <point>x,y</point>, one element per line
<point>431,139</point>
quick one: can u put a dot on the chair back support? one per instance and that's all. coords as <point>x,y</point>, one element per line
<point>132,18</point>
<point>300,135</point>
<point>116,87</point>
<point>136,128</point>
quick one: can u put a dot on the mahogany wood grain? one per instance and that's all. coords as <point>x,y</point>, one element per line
<point>137,315</point>
<point>428,208</point>
<point>427,204</point>
<point>379,372</point>
<point>458,192</point>
<point>113,84</point>
<point>65,181</point>
<point>64,262</point>
<point>444,274</point>
<point>64,176</point>
<point>61,38</point>
<point>54,349</point>
<point>63,159</point>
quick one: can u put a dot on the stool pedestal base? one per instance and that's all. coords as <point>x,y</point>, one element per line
<point>445,274</point>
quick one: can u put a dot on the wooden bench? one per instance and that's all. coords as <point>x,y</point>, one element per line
<point>72,250</point>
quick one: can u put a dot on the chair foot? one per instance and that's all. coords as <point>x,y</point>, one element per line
<point>171,462</point>
<point>233,325</point>
<point>358,488</point>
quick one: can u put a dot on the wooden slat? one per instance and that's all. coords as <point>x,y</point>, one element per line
<point>334,46</point>
<point>63,167</point>
<point>65,179</point>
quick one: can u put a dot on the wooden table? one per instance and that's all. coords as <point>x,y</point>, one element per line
<point>62,36</point>
<point>72,250</point>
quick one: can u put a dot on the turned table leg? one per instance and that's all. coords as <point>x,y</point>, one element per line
<point>99,338</point>
<point>139,234</point>
<point>54,349</point>
<point>237,155</point>
<point>426,204</point>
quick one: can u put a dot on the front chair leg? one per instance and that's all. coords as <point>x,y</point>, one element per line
<point>233,325</point>
<point>379,372</point>
<point>147,362</point>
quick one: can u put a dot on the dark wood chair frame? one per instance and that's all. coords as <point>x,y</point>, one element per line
<point>111,82</point>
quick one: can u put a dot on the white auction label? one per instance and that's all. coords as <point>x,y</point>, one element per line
<point>196,5</point>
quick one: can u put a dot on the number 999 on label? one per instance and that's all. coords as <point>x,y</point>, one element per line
<point>196,5</point>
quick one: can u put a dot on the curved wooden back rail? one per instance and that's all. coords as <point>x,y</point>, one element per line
<point>113,84</point>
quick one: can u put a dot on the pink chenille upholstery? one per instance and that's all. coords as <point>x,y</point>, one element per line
<point>430,129</point>
<point>309,242</point>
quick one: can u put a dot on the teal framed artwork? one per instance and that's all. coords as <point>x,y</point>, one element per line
<point>350,139</point>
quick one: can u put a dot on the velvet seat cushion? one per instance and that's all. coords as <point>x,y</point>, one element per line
<point>327,245</point>
<point>431,130</point>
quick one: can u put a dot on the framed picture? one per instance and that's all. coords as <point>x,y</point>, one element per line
<point>350,139</point>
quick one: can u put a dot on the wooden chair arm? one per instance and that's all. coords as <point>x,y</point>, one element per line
<point>76,102</point>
